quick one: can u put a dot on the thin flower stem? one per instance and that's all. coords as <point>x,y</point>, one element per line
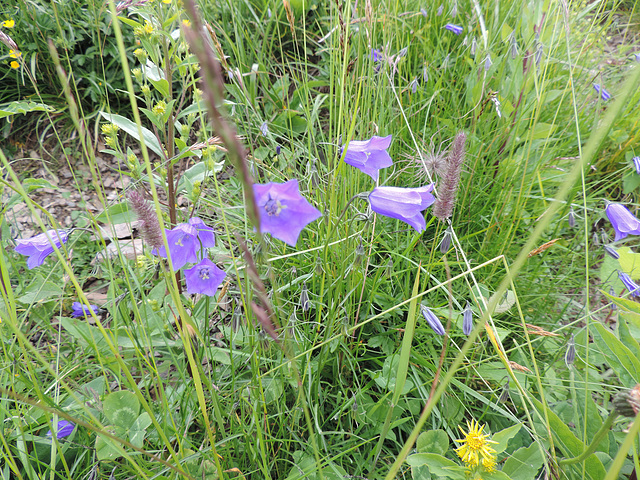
<point>604,430</point>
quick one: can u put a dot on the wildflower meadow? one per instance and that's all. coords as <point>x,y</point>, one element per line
<point>319,239</point>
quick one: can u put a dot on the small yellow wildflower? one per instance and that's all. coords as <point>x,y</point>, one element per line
<point>148,28</point>
<point>186,23</point>
<point>166,1</point>
<point>14,54</point>
<point>14,65</point>
<point>160,108</point>
<point>9,23</point>
<point>475,444</point>
<point>109,129</point>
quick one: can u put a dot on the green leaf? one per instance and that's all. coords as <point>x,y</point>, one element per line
<point>106,449</point>
<point>524,463</point>
<point>139,429</point>
<point>131,128</point>
<point>433,441</point>
<point>503,437</point>
<point>11,108</point>
<point>438,465</point>
<point>619,357</point>
<point>197,173</point>
<point>121,408</point>
<point>40,290</point>
<point>118,213</point>
<point>629,262</point>
<point>570,445</point>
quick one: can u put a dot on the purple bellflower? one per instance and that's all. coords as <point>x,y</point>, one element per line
<point>633,287</point>
<point>467,320</point>
<point>369,156</point>
<point>432,320</point>
<point>602,91</point>
<point>41,246</point>
<point>185,241</point>
<point>404,204</point>
<point>636,164</point>
<point>283,211</point>
<point>376,56</point>
<point>63,429</point>
<point>623,221</point>
<point>204,278</point>
<point>80,310</point>
<point>457,29</point>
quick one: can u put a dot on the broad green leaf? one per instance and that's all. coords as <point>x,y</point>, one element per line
<point>629,262</point>
<point>197,173</point>
<point>503,437</point>
<point>11,108</point>
<point>139,429</point>
<point>118,213</point>
<point>433,441</point>
<point>106,448</point>
<point>569,444</point>
<point>121,408</point>
<point>438,465</point>
<point>524,463</point>
<point>620,358</point>
<point>40,290</point>
<point>83,332</point>
<point>131,128</point>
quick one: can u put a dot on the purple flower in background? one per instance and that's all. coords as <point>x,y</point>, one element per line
<point>283,211</point>
<point>404,204</point>
<point>636,164</point>
<point>602,91</point>
<point>369,156</point>
<point>41,246</point>
<point>432,320</point>
<point>80,310</point>
<point>467,320</point>
<point>376,56</point>
<point>63,429</point>
<point>205,278</point>
<point>185,241</point>
<point>636,56</point>
<point>457,29</point>
<point>612,252</point>
<point>633,287</point>
<point>623,221</point>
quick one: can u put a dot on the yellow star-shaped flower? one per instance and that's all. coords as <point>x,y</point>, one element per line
<point>476,447</point>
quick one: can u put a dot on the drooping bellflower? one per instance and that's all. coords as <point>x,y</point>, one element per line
<point>611,252</point>
<point>405,204</point>
<point>622,220</point>
<point>63,429</point>
<point>41,246</point>
<point>283,211</point>
<point>633,287</point>
<point>204,278</point>
<point>80,310</point>
<point>369,156</point>
<point>454,28</point>
<point>185,241</point>
<point>602,91</point>
<point>432,320</point>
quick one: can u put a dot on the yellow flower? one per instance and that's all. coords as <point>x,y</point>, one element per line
<point>9,23</point>
<point>186,23</point>
<point>166,1</point>
<point>14,54</point>
<point>148,28</point>
<point>160,108</point>
<point>14,64</point>
<point>475,447</point>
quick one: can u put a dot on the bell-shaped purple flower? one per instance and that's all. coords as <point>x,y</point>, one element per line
<point>369,155</point>
<point>80,310</point>
<point>204,278</point>
<point>602,91</point>
<point>63,429</point>
<point>467,320</point>
<point>636,164</point>
<point>633,287</point>
<point>185,241</point>
<point>283,211</point>
<point>404,204</point>
<point>623,221</point>
<point>432,320</point>
<point>41,246</point>
<point>457,29</point>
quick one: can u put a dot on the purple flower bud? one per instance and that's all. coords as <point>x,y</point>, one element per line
<point>375,55</point>
<point>414,85</point>
<point>474,46</point>
<point>613,294</point>
<point>63,429</point>
<point>487,63</point>
<point>278,149</point>
<point>264,129</point>
<point>622,220</point>
<point>432,320</point>
<point>467,320</point>
<point>602,91</point>
<point>204,278</point>
<point>446,241</point>
<point>80,310</point>
<point>304,298</point>
<point>425,74</point>
<point>440,9</point>
<point>633,287</point>
<point>405,204</point>
<point>369,156</point>
<point>572,218</point>
<point>423,12</point>
<point>612,252</point>
<point>41,246</point>
<point>514,46</point>
<point>454,28</point>
<point>636,164</point>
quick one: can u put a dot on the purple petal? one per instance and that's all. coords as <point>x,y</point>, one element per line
<point>404,204</point>
<point>80,310</point>
<point>63,429</point>
<point>622,220</point>
<point>457,29</point>
<point>636,164</point>
<point>432,320</point>
<point>183,245</point>
<point>369,155</point>
<point>283,211</point>
<point>633,287</point>
<point>204,278</point>
<point>205,234</point>
<point>38,248</point>
<point>467,320</point>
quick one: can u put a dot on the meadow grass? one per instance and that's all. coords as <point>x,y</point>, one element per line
<point>315,360</point>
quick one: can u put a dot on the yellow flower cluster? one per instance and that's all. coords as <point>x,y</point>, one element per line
<point>476,449</point>
<point>9,23</point>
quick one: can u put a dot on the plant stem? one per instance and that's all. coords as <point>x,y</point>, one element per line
<point>606,426</point>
